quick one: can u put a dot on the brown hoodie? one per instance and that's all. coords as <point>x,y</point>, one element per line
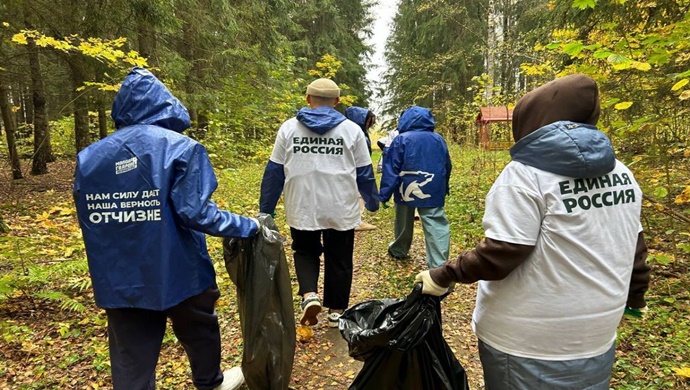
<point>573,98</point>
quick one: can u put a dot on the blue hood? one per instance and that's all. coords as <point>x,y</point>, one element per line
<point>320,119</point>
<point>566,148</point>
<point>144,100</point>
<point>357,115</point>
<point>416,118</point>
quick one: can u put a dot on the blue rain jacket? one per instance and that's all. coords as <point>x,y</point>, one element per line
<point>143,198</point>
<point>359,116</point>
<point>417,166</point>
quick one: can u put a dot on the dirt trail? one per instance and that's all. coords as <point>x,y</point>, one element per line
<point>324,363</point>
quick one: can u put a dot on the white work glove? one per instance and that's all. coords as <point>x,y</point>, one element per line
<point>258,225</point>
<point>428,285</point>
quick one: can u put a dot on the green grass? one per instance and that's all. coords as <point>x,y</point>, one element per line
<point>44,253</point>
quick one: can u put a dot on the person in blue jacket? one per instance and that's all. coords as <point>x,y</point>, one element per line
<point>416,171</point>
<point>321,162</point>
<point>364,119</point>
<point>143,199</point>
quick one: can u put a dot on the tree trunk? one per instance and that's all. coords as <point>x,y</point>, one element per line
<point>102,123</point>
<point>188,54</point>
<point>81,126</point>
<point>491,51</point>
<point>41,131</point>
<point>29,104</point>
<point>202,121</point>
<point>18,101</point>
<point>8,120</point>
<point>3,227</point>
<point>193,116</point>
<point>101,105</point>
<point>81,113</point>
<point>146,38</point>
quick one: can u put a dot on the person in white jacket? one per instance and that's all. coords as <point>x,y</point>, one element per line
<point>563,253</point>
<point>321,162</point>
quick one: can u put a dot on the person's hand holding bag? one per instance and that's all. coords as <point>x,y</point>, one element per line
<point>428,285</point>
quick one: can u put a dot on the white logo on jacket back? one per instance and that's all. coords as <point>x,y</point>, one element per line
<point>415,187</point>
<point>125,165</point>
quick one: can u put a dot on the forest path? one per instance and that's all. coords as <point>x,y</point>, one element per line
<point>323,362</point>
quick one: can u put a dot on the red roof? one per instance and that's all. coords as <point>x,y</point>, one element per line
<point>495,114</point>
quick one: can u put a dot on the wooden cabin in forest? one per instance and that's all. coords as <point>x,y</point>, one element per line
<point>494,127</point>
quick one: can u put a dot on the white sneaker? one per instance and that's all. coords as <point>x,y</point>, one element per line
<point>311,307</point>
<point>232,379</point>
<point>334,319</point>
<point>365,227</point>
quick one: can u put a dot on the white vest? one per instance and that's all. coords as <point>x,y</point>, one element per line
<point>566,300</point>
<point>321,174</point>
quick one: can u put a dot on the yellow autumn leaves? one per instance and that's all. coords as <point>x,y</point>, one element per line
<point>105,50</point>
<point>328,67</point>
<point>683,372</point>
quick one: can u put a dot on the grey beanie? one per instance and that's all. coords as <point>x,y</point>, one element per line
<point>323,88</point>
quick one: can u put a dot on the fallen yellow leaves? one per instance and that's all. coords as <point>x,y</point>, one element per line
<point>304,333</point>
<point>683,372</point>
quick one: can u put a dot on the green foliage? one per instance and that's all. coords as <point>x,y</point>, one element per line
<point>328,67</point>
<point>239,67</point>
<point>432,53</point>
<point>243,127</point>
<point>14,333</point>
<point>460,119</point>
<point>28,274</point>
<point>66,302</point>
<point>474,171</point>
<point>650,348</point>
<point>37,281</point>
<point>582,4</point>
<point>61,136</point>
<point>336,27</point>
<point>638,58</point>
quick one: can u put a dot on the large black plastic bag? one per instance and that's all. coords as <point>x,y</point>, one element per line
<point>401,344</point>
<point>259,269</point>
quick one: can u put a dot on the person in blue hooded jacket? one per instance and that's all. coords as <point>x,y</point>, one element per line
<point>563,254</point>
<point>143,199</point>
<point>416,172</point>
<point>320,162</point>
<point>364,119</point>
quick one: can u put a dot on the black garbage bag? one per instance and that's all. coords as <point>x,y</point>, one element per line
<point>259,269</point>
<point>401,344</point>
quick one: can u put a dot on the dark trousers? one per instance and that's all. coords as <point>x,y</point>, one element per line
<point>136,335</point>
<point>337,251</point>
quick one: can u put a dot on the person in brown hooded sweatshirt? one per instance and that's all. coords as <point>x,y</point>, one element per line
<point>563,253</point>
